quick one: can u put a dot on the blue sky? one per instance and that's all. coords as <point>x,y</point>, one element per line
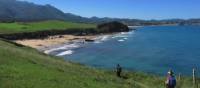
<point>139,9</point>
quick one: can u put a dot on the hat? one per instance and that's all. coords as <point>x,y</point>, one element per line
<point>170,72</point>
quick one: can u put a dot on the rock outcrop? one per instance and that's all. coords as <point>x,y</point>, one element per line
<point>113,27</point>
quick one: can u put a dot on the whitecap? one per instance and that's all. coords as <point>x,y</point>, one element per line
<point>54,49</point>
<point>113,37</point>
<point>97,42</point>
<point>132,32</point>
<point>68,52</point>
<point>104,38</point>
<point>121,40</point>
<point>125,38</point>
<point>70,46</point>
<point>121,36</point>
<point>124,33</point>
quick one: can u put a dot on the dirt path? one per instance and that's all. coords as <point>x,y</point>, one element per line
<point>140,84</point>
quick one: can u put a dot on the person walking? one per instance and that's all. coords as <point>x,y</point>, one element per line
<point>118,70</point>
<point>171,80</point>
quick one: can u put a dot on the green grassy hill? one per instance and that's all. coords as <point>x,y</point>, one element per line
<point>24,67</point>
<point>40,26</point>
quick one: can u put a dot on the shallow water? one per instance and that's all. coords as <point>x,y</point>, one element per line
<point>153,49</point>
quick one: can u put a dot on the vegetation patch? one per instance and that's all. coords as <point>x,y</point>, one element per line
<point>19,27</point>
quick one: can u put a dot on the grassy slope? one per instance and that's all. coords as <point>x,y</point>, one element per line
<point>38,26</point>
<point>23,67</point>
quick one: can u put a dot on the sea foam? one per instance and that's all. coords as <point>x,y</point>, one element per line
<point>125,38</point>
<point>70,46</point>
<point>121,40</point>
<point>101,39</point>
<point>68,52</point>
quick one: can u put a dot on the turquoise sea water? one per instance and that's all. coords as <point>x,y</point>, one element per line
<point>153,49</point>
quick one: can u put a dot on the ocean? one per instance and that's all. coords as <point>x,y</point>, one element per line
<point>150,49</point>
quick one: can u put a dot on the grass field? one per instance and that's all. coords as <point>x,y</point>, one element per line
<point>39,26</point>
<point>24,67</point>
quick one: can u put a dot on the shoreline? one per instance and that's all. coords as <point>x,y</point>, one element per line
<point>54,40</point>
<point>65,42</point>
<point>51,40</point>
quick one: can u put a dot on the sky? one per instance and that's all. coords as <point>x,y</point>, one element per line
<point>134,9</point>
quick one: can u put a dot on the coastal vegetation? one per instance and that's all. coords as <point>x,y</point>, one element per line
<point>113,27</point>
<point>19,27</point>
<point>43,29</point>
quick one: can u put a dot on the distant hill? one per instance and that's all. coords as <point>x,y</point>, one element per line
<point>24,11</point>
<point>97,20</point>
<point>13,10</point>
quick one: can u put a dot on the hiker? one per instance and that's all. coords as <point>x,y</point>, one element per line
<point>119,70</point>
<point>171,80</point>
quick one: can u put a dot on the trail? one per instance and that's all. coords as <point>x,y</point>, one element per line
<point>140,84</point>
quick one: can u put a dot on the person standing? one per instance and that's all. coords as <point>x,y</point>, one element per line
<point>119,70</point>
<point>171,80</point>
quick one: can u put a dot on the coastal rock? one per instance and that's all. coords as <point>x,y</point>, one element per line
<point>89,40</point>
<point>113,27</point>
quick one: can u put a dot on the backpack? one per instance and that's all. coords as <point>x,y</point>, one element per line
<point>172,81</point>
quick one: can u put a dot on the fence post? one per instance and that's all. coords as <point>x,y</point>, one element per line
<point>194,77</point>
<point>179,76</point>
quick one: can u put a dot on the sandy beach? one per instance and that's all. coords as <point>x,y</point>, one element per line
<point>52,40</point>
